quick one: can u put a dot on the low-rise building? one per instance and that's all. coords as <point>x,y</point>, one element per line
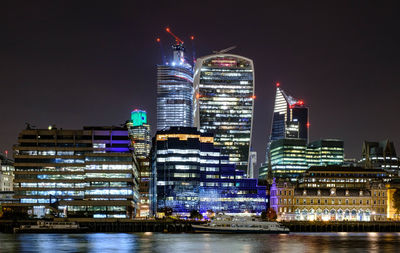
<point>329,204</point>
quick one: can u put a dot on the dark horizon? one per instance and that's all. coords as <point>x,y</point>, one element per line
<point>75,64</point>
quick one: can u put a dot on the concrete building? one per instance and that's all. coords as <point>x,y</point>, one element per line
<point>91,172</point>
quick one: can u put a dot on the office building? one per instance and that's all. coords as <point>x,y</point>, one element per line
<point>90,172</point>
<point>139,133</point>
<point>288,158</point>
<point>380,155</point>
<point>190,173</point>
<point>335,176</point>
<point>325,152</point>
<point>175,91</point>
<point>224,93</point>
<point>6,174</point>
<point>289,120</point>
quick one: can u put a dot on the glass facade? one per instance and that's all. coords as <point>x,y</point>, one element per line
<point>289,120</point>
<point>224,89</point>
<point>175,92</point>
<point>325,152</point>
<point>381,155</point>
<point>190,173</point>
<point>76,173</point>
<point>288,157</point>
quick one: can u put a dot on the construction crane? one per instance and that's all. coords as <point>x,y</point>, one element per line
<point>178,40</point>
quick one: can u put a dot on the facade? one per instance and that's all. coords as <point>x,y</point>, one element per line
<point>380,155</point>
<point>329,204</point>
<point>292,157</point>
<point>224,94</point>
<point>288,158</point>
<point>289,120</point>
<point>190,173</point>
<point>175,91</point>
<point>6,174</point>
<point>325,152</point>
<point>90,172</point>
<point>139,133</point>
<point>252,171</point>
<point>335,176</point>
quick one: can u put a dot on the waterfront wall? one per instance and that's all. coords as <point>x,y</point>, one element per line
<point>129,226</point>
<point>376,226</point>
<point>114,225</point>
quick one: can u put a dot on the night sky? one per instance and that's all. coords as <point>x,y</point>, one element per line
<point>76,63</point>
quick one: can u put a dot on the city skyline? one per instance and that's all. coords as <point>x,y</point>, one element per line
<point>51,74</point>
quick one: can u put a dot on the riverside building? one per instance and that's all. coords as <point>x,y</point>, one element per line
<point>190,173</point>
<point>224,94</point>
<point>76,173</point>
<point>329,204</point>
<point>139,133</point>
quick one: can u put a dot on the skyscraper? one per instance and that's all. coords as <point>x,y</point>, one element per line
<point>175,91</point>
<point>139,133</point>
<point>224,89</point>
<point>290,118</point>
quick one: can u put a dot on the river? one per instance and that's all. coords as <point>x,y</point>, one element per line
<point>171,243</point>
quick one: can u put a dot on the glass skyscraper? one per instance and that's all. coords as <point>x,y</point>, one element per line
<point>289,120</point>
<point>224,92</point>
<point>175,91</point>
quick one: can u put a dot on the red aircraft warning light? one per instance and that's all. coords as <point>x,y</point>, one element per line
<point>158,40</point>
<point>308,124</point>
<point>278,84</point>
<point>192,37</point>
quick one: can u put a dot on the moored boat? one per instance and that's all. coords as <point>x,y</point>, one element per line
<point>51,227</point>
<point>244,225</point>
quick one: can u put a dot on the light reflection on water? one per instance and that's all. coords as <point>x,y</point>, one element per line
<point>171,243</point>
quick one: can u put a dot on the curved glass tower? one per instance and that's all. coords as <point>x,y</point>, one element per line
<point>175,92</point>
<point>224,96</point>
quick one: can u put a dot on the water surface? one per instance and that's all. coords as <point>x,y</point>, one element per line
<point>171,243</point>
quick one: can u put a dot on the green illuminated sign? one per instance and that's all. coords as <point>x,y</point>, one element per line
<point>138,117</point>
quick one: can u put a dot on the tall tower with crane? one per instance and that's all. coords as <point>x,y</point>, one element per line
<point>175,88</point>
